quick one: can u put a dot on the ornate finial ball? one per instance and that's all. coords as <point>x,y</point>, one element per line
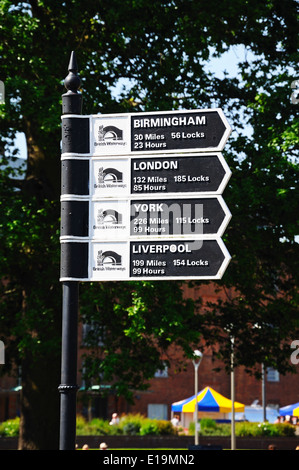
<point>72,82</point>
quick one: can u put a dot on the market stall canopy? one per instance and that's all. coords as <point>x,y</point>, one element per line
<point>289,410</point>
<point>208,400</point>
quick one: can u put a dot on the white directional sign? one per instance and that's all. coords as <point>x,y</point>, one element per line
<point>158,174</point>
<point>141,196</point>
<point>159,132</point>
<point>184,217</point>
<point>158,259</point>
<point>192,173</point>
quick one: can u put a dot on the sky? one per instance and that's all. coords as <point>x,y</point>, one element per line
<point>227,62</point>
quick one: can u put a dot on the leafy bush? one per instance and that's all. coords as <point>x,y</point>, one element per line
<point>131,424</point>
<point>131,429</point>
<point>285,429</point>
<point>209,427</point>
<point>10,428</point>
<point>81,425</point>
<point>165,428</point>
<point>149,427</point>
<point>280,429</point>
<point>208,424</point>
<point>136,424</point>
<point>102,427</point>
<point>158,427</point>
<point>91,428</point>
<point>264,429</point>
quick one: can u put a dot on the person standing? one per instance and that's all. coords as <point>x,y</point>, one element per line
<point>115,419</point>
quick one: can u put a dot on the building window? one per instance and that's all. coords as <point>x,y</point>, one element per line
<point>272,375</point>
<point>161,373</point>
<point>93,334</point>
<point>157,411</point>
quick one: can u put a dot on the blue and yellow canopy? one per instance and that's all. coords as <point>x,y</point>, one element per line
<point>207,400</point>
<point>291,410</point>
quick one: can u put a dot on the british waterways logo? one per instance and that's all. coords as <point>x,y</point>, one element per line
<point>109,136</point>
<point>108,260</point>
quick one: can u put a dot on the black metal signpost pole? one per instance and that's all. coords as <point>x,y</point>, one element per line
<point>87,195</point>
<point>71,104</point>
<point>68,387</point>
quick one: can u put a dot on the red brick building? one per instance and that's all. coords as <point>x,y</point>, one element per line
<point>171,385</point>
<point>168,386</point>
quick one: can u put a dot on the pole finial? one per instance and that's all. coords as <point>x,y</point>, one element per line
<point>73,66</point>
<point>72,100</point>
<point>72,81</point>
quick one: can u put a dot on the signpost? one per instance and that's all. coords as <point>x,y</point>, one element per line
<point>147,133</point>
<point>192,173</point>
<point>158,259</point>
<point>140,199</point>
<point>124,218</point>
<point>140,176</point>
<point>151,175</point>
<point>159,132</point>
<point>207,215</point>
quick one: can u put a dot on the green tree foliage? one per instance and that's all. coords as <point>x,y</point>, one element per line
<point>261,285</point>
<point>133,324</point>
<point>140,55</point>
